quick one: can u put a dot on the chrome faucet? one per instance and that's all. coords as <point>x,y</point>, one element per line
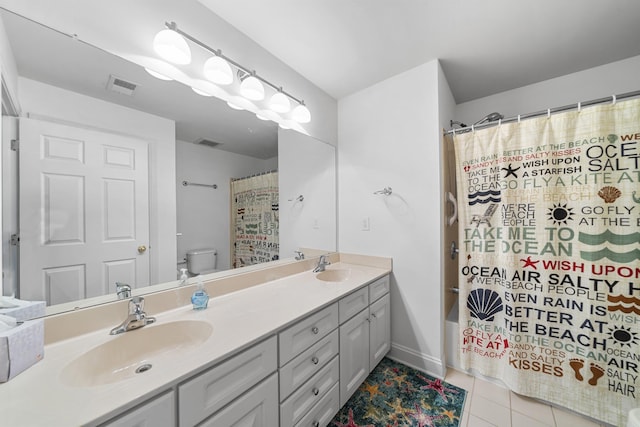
<point>322,263</point>
<point>299,255</point>
<point>123,291</point>
<point>137,318</point>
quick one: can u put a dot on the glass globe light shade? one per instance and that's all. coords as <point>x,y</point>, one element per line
<point>172,46</point>
<point>301,114</point>
<point>251,88</point>
<point>201,92</point>
<point>157,75</point>
<point>218,71</point>
<point>279,103</point>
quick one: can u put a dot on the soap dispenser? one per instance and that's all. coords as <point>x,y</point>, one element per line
<point>200,298</point>
<point>183,276</point>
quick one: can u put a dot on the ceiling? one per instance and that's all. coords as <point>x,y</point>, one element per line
<point>485,47</point>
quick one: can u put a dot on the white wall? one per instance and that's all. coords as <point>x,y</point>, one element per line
<point>389,135</point>
<point>41,100</point>
<point>306,167</point>
<point>203,214</point>
<point>599,82</point>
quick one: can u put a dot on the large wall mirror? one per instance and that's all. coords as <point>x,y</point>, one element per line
<point>170,156</point>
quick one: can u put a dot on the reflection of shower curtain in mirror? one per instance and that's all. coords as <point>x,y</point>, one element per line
<point>549,214</point>
<point>254,219</point>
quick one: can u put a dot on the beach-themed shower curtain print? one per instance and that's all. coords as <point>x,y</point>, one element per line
<point>255,219</point>
<point>550,257</point>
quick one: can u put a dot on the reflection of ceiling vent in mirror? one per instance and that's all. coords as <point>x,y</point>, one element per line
<point>207,142</point>
<point>118,85</point>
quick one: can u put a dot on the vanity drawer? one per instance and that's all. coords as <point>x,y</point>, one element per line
<point>300,369</point>
<point>300,402</point>
<point>353,304</point>
<point>211,390</point>
<point>307,332</point>
<point>324,411</point>
<point>160,411</point>
<point>257,408</point>
<point>378,288</point>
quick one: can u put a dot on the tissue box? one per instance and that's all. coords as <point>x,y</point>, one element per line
<point>25,310</point>
<point>20,348</point>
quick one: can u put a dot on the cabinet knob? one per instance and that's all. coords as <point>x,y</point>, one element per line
<point>373,315</point>
<point>316,424</point>
<point>315,391</point>
<point>315,330</point>
<point>314,360</point>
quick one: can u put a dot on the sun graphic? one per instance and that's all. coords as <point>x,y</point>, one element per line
<point>623,336</point>
<point>560,214</point>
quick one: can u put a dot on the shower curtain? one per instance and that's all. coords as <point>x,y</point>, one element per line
<point>254,219</point>
<point>549,268</point>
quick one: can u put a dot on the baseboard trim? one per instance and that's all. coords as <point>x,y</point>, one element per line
<point>422,362</point>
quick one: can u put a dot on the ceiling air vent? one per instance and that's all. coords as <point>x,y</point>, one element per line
<point>207,142</point>
<point>121,86</point>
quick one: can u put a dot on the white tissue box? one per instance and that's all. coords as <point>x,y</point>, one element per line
<point>25,310</point>
<point>20,348</point>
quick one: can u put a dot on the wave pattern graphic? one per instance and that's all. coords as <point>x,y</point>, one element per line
<point>608,236</point>
<point>623,299</point>
<point>622,308</point>
<point>622,257</point>
<point>476,198</point>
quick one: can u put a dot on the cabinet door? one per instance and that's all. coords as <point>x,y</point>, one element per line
<point>380,330</point>
<point>159,412</point>
<point>256,408</point>
<point>354,354</point>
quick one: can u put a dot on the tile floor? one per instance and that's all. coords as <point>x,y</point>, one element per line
<point>489,405</point>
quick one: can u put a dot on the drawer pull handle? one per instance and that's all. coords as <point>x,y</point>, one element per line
<point>314,360</point>
<point>315,330</point>
<point>315,391</point>
<point>316,423</point>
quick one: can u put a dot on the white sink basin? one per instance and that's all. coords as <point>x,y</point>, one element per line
<point>132,351</point>
<point>337,275</point>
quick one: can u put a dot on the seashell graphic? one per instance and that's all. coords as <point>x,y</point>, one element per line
<point>484,304</point>
<point>609,194</point>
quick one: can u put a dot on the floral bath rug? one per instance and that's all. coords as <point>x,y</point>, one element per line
<point>394,395</point>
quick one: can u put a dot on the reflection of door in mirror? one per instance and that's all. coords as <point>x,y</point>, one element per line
<point>83,212</point>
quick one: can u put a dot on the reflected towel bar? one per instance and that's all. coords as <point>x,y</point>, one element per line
<point>185,183</point>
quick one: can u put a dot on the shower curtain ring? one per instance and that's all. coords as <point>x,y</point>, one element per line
<point>518,118</point>
<point>613,100</point>
<point>548,113</point>
<point>579,106</point>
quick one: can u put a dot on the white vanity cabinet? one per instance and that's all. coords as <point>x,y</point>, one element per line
<point>158,412</point>
<point>365,338</point>
<point>230,383</point>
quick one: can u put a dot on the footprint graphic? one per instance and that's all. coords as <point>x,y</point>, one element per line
<point>597,372</point>
<point>577,365</point>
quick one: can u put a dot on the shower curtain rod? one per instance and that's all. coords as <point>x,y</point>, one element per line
<point>255,174</point>
<point>577,105</point>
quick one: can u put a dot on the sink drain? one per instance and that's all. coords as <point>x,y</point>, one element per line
<point>143,368</point>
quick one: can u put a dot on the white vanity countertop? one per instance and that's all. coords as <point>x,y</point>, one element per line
<point>39,397</point>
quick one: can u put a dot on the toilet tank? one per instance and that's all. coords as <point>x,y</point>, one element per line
<point>201,261</point>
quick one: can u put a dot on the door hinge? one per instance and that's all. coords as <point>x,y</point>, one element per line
<point>15,144</point>
<point>15,240</point>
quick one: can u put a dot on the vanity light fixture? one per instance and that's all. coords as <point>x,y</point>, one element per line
<point>172,46</point>
<point>201,92</point>
<point>218,69</point>
<point>279,102</point>
<point>251,88</point>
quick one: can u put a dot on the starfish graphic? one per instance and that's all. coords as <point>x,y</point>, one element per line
<point>400,379</point>
<point>373,390</point>
<point>438,386</point>
<point>530,263</point>
<point>449,414</point>
<point>423,419</point>
<point>373,412</point>
<point>510,171</point>
<point>351,422</point>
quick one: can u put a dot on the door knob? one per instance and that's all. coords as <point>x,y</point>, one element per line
<point>142,249</point>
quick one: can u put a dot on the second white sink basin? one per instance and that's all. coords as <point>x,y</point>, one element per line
<point>337,275</point>
<point>134,352</point>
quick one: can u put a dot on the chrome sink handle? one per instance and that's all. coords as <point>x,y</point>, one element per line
<point>322,263</point>
<point>123,291</point>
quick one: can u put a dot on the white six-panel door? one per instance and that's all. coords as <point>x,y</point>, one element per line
<point>84,212</point>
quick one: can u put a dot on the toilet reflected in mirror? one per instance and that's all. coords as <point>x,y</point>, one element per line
<point>201,261</point>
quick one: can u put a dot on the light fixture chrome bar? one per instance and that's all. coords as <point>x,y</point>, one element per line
<point>569,107</point>
<point>173,26</point>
